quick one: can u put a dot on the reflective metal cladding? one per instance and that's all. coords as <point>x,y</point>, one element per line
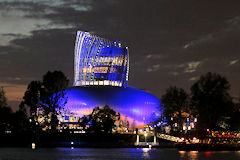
<point>99,61</point>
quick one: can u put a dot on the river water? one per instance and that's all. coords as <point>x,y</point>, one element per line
<point>112,153</point>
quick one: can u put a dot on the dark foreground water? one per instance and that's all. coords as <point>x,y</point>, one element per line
<point>113,153</point>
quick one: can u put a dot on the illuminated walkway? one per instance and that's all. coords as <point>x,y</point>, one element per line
<point>169,138</point>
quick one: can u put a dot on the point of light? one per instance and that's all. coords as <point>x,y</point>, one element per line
<point>33,146</point>
<point>145,149</point>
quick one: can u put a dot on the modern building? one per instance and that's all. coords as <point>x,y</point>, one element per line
<point>101,69</point>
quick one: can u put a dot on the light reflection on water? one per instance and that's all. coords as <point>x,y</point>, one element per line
<point>112,153</point>
<point>182,154</point>
<point>145,153</point>
<point>193,155</point>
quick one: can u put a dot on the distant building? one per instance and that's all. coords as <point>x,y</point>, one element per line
<point>101,69</point>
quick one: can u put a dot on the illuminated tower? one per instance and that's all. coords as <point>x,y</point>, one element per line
<point>98,61</point>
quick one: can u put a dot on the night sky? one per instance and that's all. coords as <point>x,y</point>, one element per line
<point>171,42</point>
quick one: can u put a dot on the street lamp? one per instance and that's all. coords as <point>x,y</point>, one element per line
<point>145,135</point>
<point>184,128</point>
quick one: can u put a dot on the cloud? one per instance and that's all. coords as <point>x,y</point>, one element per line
<point>22,17</point>
<point>156,66</point>
<point>180,69</point>
<point>193,78</point>
<point>174,73</point>
<point>149,56</point>
<point>154,56</point>
<point>188,67</point>
<point>153,68</point>
<point>192,66</point>
<point>233,62</point>
<point>230,25</point>
<point>202,39</point>
<point>149,70</point>
<point>36,54</point>
<point>14,78</point>
<point>233,24</point>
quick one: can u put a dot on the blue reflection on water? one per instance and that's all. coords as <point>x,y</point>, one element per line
<point>106,153</point>
<point>111,153</point>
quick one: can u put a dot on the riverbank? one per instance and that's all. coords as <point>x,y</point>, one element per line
<point>54,140</point>
<point>51,140</point>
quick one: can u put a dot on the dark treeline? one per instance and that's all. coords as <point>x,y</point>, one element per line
<point>11,121</point>
<point>37,117</point>
<point>209,101</point>
<point>42,98</point>
<point>22,127</point>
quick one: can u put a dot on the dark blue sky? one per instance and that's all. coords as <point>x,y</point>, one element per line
<point>171,42</point>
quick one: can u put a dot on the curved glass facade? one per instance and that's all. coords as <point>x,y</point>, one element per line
<point>99,61</point>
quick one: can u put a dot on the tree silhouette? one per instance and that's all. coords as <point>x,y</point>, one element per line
<point>103,119</point>
<point>3,99</point>
<point>32,97</point>
<point>53,97</point>
<point>48,96</point>
<point>235,120</point>
<point>211,98</point>
<point>19,120</point>
<point>84,121</point>
<point>5,112</point>
<point>175,102</point>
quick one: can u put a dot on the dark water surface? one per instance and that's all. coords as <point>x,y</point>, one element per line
<point>112,153</point>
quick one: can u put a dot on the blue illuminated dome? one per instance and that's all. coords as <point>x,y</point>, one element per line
<point>137,106</point>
